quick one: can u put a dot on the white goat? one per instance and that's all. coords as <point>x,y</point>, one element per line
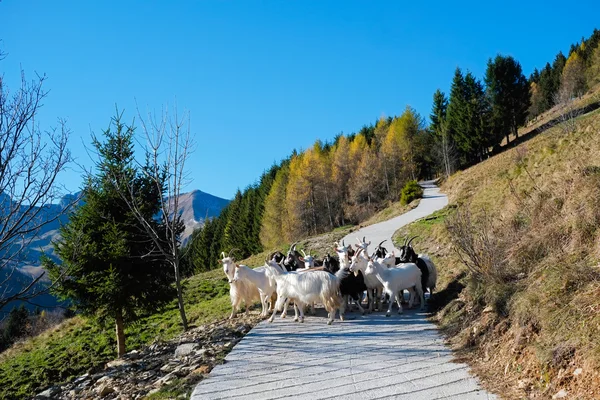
<point>403,276</point>
<point>374,286</point>
<point>342,252</point>
<point>239,291</point>
<point>309,263</point>
<point>261,279</point>
<point>305,288</point>
<point>363,244</point>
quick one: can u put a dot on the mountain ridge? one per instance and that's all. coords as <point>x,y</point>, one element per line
<point>195,206</point>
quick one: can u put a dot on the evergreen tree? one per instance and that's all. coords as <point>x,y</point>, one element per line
<point>113,270</point>
<point>468,118</point>
<point>438,112</point>
<point>455,115</point>
<point>557,69</point>
<point>509,97</point>
<point>546,88</point>
<point>16,326</point>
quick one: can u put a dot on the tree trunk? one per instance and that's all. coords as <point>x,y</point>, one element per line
<point>328,207</point>
<point>120,330</point>
<point>179,293</point>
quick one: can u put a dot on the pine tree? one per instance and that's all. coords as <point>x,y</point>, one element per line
<point>16,326</point>
<point>112,267</point>
<point>509,97</point>
<point>468,118</point>
<point>438,112</point>
<point>455,115</point>
<point>548,88</point>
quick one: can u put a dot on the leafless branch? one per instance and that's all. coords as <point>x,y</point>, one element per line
<point>30,162</point>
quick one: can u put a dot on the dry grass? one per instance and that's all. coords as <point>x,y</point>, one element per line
<point>532,319</point>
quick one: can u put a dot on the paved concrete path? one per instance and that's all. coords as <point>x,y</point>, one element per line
<point>364,357</point>
<point>432,201</point>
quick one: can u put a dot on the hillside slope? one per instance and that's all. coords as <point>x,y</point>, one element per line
<point>194,206</point>
<point>518,251</point>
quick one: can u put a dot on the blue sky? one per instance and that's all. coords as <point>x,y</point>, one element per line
<point>261,78</point>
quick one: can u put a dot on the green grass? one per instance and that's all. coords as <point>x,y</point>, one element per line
<point>80,345</point>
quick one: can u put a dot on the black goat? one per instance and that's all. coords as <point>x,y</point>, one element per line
<point>277,256</point>
<point>381,252</point>
<point>331,264</point>
<point>428,270</point>
<point>351,285</point>
<point>293,260</point>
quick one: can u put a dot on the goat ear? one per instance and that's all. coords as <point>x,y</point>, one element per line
<point>237,266</point>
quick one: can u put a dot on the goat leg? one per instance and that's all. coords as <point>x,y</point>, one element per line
<point>285,308</point>
<point>296,311</point>
<point>392,300</point>
<point>362,310</point>
<point>343,305</point>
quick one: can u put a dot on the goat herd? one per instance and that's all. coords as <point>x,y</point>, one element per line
<point>333,282</point>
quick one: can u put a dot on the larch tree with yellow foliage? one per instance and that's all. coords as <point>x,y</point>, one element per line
<point>274,224</point>
<point>340,176</point>
<point>572,82</point>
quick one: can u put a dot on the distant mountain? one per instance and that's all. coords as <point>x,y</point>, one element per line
<point>195,207</point>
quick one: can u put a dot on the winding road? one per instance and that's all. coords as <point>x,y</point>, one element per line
<point>432,201</point>
<point>364,357</point>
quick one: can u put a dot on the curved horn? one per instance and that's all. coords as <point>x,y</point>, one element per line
<point>303,253</point>
<point>343,245</point>
<point>405,240</point>
<point>364,241</point>
<point>231,251</point>
<point>223,254</point>
<point>293,246</point>
<point>379,245</point>
<point>411,239</point>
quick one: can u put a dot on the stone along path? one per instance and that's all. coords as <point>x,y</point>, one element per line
<point>364,357</point>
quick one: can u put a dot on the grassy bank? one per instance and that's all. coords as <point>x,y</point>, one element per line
<point>518,255</point>
<point>80,345</point>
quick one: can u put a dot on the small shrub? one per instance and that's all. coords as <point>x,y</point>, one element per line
<point>410,192</point>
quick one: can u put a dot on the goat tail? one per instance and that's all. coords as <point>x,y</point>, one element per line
<point>334,301</point>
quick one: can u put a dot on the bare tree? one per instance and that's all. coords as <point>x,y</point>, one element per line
<point>445,151</point>
<point>30,162</point>
<point>568,110</point>
<point>168,144</point>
